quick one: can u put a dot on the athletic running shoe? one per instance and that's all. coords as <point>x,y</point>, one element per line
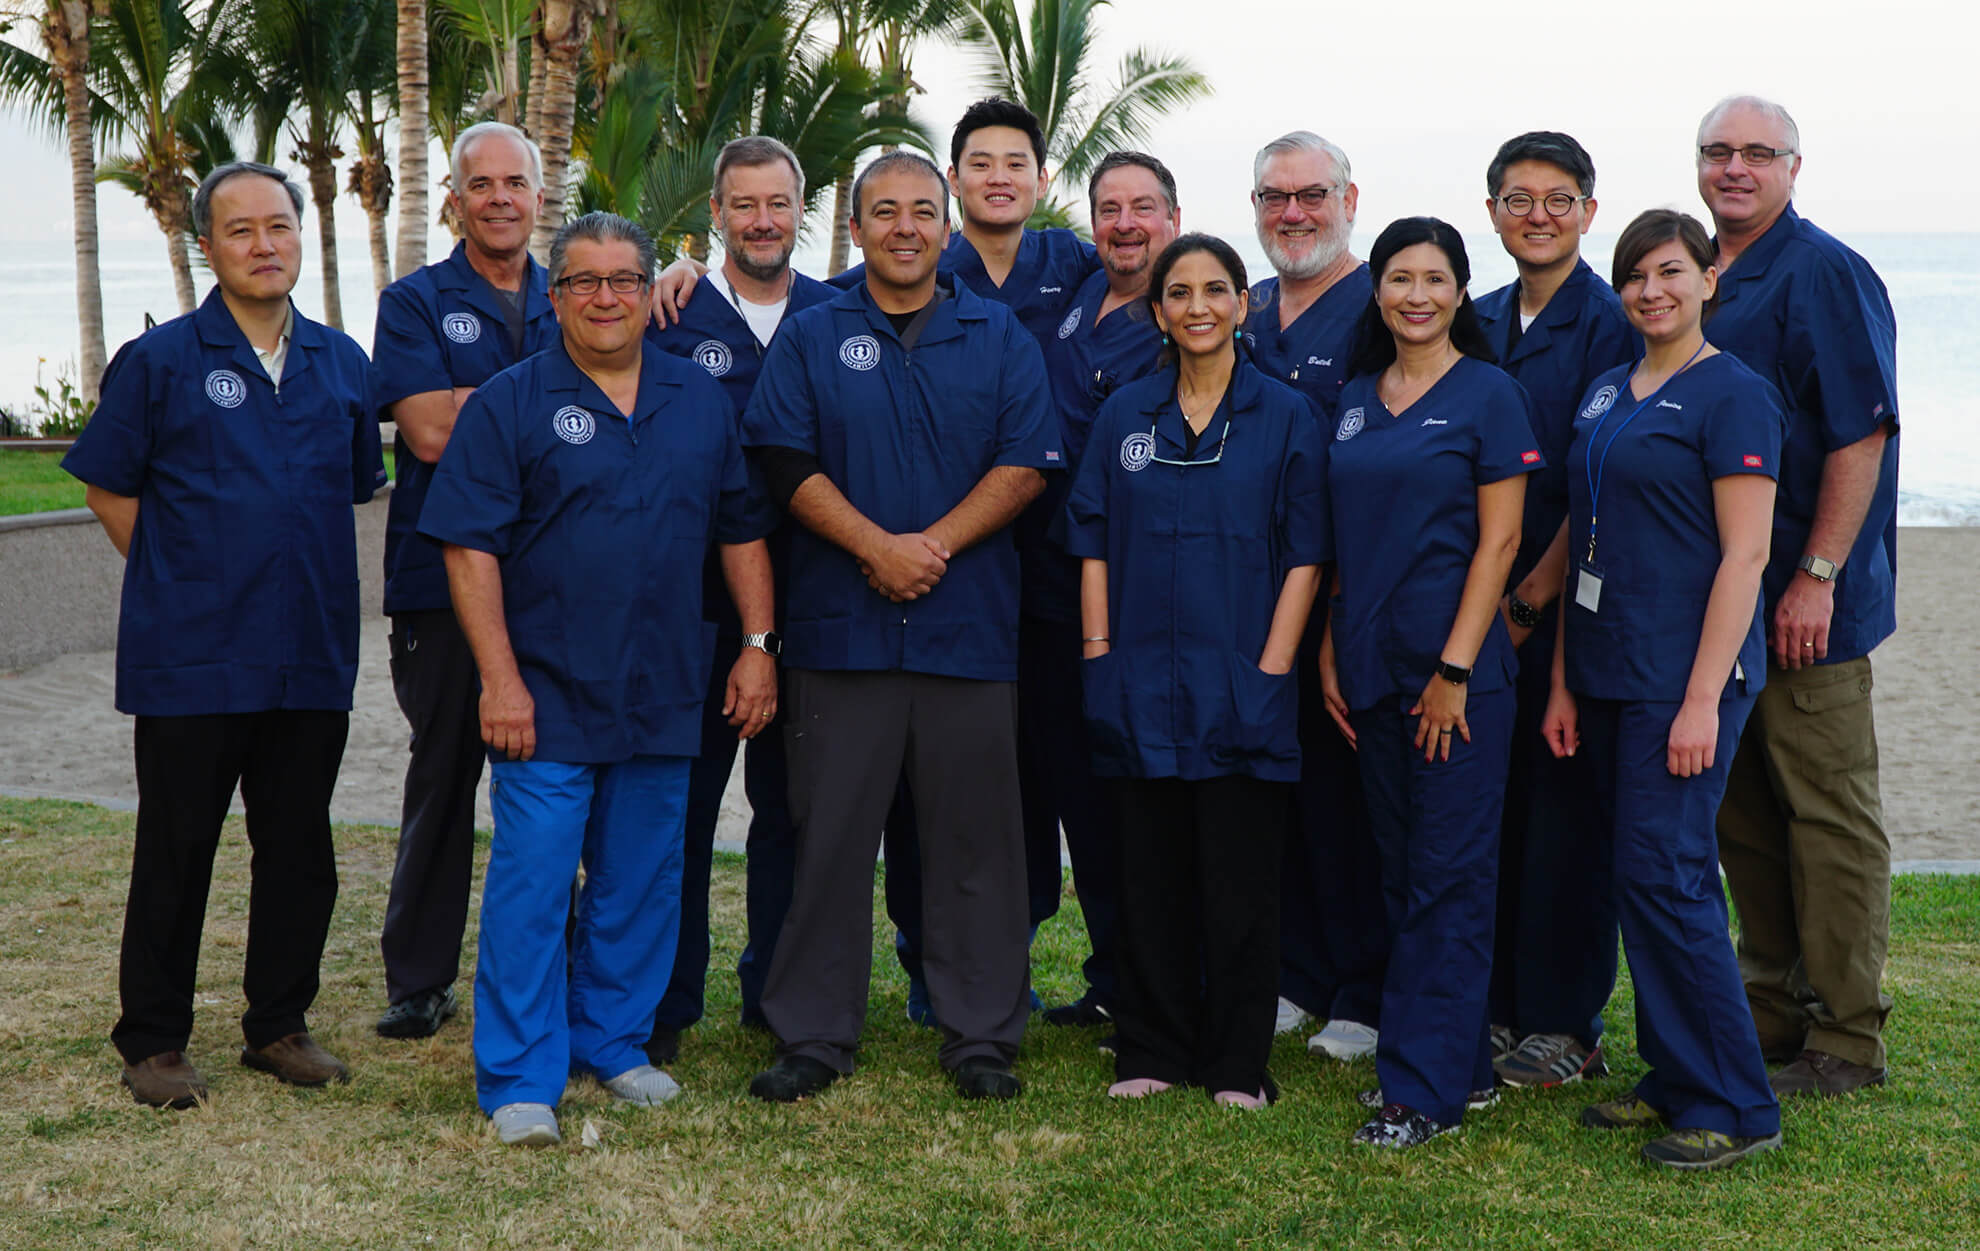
<point>525,1125</point>
<point>1476,1101</point>
<point>643,1084</point>
<point>1399,1128</point>
<point>1503,1042</point>
<point>1696,1150</point>
<point>1547,1060</point>
<point>1628,1112</point>
<point>1344,1040</point>
<point>1292,1017</point>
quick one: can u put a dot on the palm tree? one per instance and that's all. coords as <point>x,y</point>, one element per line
<point>497,29</point>
<point>411,73</point>
<point>560,41</point>
<point>1042,64</point>
<point>371,175</point>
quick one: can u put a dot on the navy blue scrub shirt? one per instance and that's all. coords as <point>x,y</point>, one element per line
<point>1197,554</point>
<point>1087,359</point>
<point>438,328</point>
<point>1657,542</point>
<point>1311,355</point>
<point>1581,333</point>
<point>241,587</point>
<point>601,525</point>
<point>1405,509</point>
<point>1044,279</point>
<point>1811,317</point>
<point>905,435</point>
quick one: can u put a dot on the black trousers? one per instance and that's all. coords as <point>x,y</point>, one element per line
<point>433,675</point>
<point>285,763</point>
<point>1199,929</point>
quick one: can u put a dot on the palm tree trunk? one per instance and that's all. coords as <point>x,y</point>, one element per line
<point>539,66</point>
<point>323,189</point>
<point>412,135</point>
<point>842,193</point>
<point>67,29</point>
<point>563,34</point>
<point>371,183</point>
<point>175,252</point>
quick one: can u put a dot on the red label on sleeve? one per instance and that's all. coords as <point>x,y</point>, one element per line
<point>1751,461</point>
<point>1529,458</point>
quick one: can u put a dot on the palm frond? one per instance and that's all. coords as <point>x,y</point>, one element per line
<point>1145,89</point>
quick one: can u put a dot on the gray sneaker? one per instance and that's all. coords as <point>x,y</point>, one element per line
<point>1344,1040</point>
<point>526,1125</point>
<point>1547,1060</point>
<point>644,1085</point>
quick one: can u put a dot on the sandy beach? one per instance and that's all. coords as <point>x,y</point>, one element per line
<point>60,737</point>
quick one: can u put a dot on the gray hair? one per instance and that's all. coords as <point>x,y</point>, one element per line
<point>601,228</point>
<point>753,150</point>
<point>902,159</point>
<point>202,205</point>
<point>1303,141</point>
<point>1759,105</point>
<point>482,130</point>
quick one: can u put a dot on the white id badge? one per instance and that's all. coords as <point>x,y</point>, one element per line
<point>1588,589</point>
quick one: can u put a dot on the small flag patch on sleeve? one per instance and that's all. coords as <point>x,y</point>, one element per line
<point>1530,458</point>
<point>1751,461</point>
<point>1051,456</point>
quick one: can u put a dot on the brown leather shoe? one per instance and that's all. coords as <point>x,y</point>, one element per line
<point>297,1060</point>
<point>166,1080</point>
<point>1819,1073</point>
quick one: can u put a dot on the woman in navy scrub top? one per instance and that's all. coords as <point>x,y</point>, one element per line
<point>1199,514</point>
<point>1425,476</point>
<point>1671,503</point>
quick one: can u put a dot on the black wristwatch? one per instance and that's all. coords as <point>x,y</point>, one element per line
<point>1523,614</point>
<point>1456,675</point>
<point>768,641</point>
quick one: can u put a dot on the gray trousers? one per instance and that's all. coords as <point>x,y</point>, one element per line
<point>850,738</point>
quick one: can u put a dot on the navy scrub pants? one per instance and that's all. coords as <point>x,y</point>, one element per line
<point>1437,824</point>
<point>1692,1023</point>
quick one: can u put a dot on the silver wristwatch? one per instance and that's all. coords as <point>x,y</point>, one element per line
<point>769,641</point>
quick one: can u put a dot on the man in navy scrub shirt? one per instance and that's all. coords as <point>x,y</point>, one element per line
<point>756,204</point>
<point>1332,938</point>
<point>223,460</point>
<point>1801,831</point>
<point>578,498</point>
<point>1554,328</point>
<point>1107,339</point>
<point>905,425</point>
<point>442,331</point>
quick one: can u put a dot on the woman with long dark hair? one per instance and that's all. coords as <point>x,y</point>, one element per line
<point>1200,515</point>
<point>1425,479</point>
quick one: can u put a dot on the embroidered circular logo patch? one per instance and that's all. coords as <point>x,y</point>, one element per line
<point>574,424</point>
<point>1137,450</point>
<point>1070,324</point>
<point>1599,404</point>
<point>713,356</point>
<point>861,352</point>
<point>461,327</point>
<point>225,388</point>
<point>1351,423</point>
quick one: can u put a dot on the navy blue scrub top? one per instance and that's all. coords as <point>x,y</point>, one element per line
<point>905,436</point>
<point>1044,279</point>
<point>1580,334</point>
<point>600,525</point>
<point>1196,556</point>
<point>439,328</point>
<point>1311,355</point>
<point>1087,359</point>
<point>241,588</point>
<point>1811,317</point>
<point>1657,547</point>
<point>1405,499</point>
<point>713,334</point>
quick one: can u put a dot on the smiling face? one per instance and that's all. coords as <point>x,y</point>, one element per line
<point>605,323</point>
<point>901,229</point>
<point>998,181</point>
<point>757,215</point>
<point>1664,293</point>
<point>496,195</point>
<point>1419,295</point>
<point>1299,242</point>
<point>255,248</point>
<point>1746,198</point>
<point>1132,223</point>
<point>1201,305</point>
<point>1536,239</point>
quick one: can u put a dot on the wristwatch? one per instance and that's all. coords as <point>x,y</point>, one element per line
<point>1523,614</point>
<point>769,641</point>
<point>1456,675</point>
<point>1817,568</point>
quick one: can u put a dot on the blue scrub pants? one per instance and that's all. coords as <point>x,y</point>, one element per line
<point>623,822</point>
<point>1554,963</point>
<point>1437,824</point>
<point>1692,1023</point>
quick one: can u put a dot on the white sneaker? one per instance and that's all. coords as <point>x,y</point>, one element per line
<point>526,1125</point>
<point>645,1084</point>
<point>1344,1040</point>
<point>1292,1017</point>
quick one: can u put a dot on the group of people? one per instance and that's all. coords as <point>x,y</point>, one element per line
<point>1380,654</point>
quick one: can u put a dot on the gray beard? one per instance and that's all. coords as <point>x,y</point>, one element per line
<point>1325,252</point>
<point>760,271</point>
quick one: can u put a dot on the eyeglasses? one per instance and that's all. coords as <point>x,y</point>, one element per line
<point>1222,439</point>
<point>1754,154</point>
<point>1273,200</point>
<point>1559,204</point>
<point>588,284</point>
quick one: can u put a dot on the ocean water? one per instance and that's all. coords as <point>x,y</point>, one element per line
<point>1934,282</point>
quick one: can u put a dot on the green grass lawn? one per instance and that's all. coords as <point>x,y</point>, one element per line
<point>891,1157</point>
<point>34,482</point>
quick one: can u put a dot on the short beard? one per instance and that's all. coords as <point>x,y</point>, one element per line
<point>1328,247</point>
<point>760,270</point>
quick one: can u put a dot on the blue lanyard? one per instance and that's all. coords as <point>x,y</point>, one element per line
<point>1595,467</point>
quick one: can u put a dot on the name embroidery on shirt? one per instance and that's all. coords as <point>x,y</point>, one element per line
<point>1071,323</point>
<point>1315,360</point>
<point>713,356</point>
<point>1599,404</point>
<point>574,425</point>
<point>1050,290</point>
<point>225,388</point>
<point>861,352</point>
<point>1435,421</point>
<point>1351,423</point>
<point>461,327</point>
<point>1668,404</point>
<point>1137,450</point>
